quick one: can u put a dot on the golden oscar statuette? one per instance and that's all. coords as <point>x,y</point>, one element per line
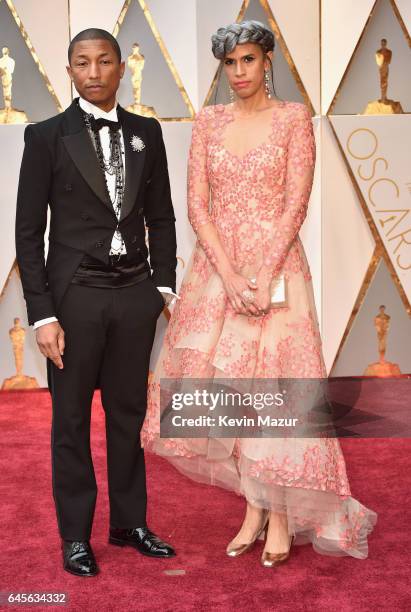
<point>135,62</point>
<point>382,367</point>
<point>8,114</point>
<point>383,106</point>
<point>19,381</point>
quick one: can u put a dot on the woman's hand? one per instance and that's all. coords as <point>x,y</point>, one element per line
<point>262,297</point>
<point>241,292</point>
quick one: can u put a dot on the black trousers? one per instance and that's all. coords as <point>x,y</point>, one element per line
<point>109,334</point>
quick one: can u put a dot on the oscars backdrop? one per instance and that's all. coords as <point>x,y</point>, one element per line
<point>348,61</point>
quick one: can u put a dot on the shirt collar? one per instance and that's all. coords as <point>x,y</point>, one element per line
<point>97,112</point>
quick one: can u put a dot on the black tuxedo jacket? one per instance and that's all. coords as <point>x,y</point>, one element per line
<point>60,169</point>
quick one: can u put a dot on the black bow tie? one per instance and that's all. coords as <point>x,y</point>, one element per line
<point>97,124</point>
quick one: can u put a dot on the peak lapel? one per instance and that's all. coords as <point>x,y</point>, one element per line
<point>134,164</point>
<point>81,150</point>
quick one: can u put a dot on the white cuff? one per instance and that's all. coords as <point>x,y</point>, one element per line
<point>169,290</point>
<point>44,322</point>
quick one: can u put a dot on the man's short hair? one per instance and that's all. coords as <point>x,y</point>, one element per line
<point>94,34</point>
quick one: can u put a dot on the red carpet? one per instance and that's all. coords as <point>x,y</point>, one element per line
<point>199,521</point>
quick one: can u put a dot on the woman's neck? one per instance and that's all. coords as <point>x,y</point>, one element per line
<point>252,105</point>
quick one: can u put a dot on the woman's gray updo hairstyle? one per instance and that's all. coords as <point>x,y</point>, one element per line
<point>226,39</point>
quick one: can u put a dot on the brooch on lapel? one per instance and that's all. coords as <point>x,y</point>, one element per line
<point>137,144</point>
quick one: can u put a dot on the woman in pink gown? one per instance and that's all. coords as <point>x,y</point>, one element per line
<point>255,157</point>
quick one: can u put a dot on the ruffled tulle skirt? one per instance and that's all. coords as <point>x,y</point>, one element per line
<point>304,478</point>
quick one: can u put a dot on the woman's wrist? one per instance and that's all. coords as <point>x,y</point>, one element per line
<point>226,269</point>
<point>264,276</point>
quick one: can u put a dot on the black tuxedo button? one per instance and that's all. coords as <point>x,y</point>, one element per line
<point>140,211</point>
<point>148,181</point>
<point>85,216</point>
<point>68,187</point>
<point>138,249</point>
<point>134,240</point>
<point>99,244</point>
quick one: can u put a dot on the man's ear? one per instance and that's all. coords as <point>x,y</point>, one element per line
<point>69,72</point>
<point>122,69</point>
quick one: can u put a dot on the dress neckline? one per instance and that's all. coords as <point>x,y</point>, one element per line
<point>228,109</point>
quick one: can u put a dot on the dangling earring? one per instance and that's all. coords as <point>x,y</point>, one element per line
<point>231,94</point>
<point>267,84</point>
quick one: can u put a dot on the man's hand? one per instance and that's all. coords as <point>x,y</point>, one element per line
<point>50,340</point>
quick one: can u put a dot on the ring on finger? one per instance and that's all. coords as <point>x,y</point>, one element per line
<point>247,295</point>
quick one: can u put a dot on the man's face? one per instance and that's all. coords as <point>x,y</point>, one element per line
<point>96,72</point>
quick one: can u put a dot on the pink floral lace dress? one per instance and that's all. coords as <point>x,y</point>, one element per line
<point>257,201</point>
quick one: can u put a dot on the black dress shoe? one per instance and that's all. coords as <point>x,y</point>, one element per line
<point>78,558</point>
<point>143,540</point>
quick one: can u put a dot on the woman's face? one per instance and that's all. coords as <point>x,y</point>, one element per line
<point>245,68</point>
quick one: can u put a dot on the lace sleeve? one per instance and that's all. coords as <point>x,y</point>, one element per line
<point>198,190</point>
<point>198,195</point>
<point>299,179</point>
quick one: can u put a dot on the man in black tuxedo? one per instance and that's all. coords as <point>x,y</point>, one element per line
<point>95,303</point>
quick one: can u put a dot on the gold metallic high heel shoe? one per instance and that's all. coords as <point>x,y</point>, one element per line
<point>272,559</point>
<point>236,551</point>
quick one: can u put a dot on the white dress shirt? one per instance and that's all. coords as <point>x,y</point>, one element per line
<point>111,184</point>
<point>116,246</point>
